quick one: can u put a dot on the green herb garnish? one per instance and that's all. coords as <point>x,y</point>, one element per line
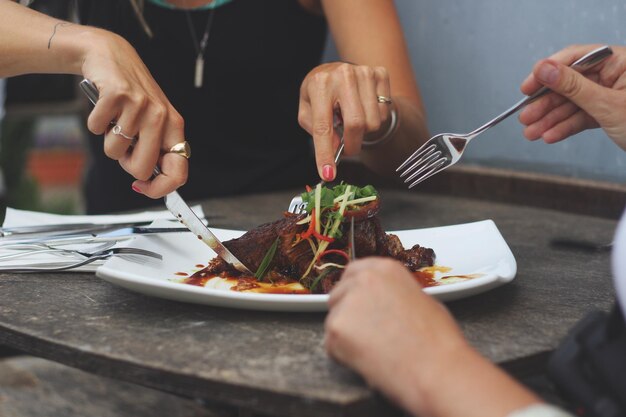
<point>328,195</point>
<point>319,277</point>
<point>267,260</point>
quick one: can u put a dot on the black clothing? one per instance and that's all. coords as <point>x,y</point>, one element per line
<point>589,367</point>
<point>242,124</point>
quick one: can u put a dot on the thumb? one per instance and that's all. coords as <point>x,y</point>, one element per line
<point>569,83</point>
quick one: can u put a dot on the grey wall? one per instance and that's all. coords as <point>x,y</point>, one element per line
<point>470,56</point>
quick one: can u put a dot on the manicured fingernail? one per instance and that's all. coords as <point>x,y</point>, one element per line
<point>136,189</point>
<point>548,73</point>
<point>328,173</point>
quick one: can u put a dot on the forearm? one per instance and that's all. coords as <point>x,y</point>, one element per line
<point>469,386</point>
<point>35,43</point>
<point>384,157</point>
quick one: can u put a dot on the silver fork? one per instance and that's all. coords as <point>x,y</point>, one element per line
<point>26,250</point>
<point>296,206</point>
<point>445,149</point>
<point>89,258</point>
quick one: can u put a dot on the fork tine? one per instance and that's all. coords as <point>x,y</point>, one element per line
<point>419,153</point>
<point>431,170</point>
<point>419,165</point>
<point>423,166</point>
<point>133,251</point>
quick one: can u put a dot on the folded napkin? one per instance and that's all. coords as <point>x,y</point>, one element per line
<point>16,217</point>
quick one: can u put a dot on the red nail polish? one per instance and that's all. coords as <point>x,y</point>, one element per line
<point>136,189</point>
<point>328,173</point>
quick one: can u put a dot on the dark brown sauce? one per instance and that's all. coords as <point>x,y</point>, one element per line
<point>425,278</point>
<point>181,274</point>
<point>199,266</point>
<point>468,276</point>
<point>197,280</point>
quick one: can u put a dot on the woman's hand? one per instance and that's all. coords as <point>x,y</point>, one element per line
<point>382,325</point>
<point>595,99</point>
<point>352,91</point>
<point>35,43</point>
<point>131,97</point>
<point>407,345</point>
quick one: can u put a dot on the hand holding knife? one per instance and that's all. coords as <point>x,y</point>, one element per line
<point>179,208</point>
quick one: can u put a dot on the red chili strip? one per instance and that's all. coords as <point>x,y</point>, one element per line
<point>311,229</point>
<point>323,237</point>
<point>336,252</point>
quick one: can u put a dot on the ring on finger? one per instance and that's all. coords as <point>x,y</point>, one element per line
<point>182,148</point>
<point>117,130</point>
<point>384,100</point>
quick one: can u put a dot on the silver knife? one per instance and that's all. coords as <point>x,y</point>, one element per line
<point>73,228</point>
<point>117,235</point>
<point>181,210</point>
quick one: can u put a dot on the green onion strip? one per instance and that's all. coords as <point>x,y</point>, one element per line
<point>267,260</point>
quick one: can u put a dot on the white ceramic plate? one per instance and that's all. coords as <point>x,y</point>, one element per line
<point>475,249</point>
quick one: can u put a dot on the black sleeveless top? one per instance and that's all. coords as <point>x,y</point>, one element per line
<point>242,124</point>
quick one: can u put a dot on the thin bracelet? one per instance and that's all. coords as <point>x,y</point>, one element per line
<point>540,410</point>
<point>393,126</point>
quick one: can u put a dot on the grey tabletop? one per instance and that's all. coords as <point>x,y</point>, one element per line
<point>275,363</point>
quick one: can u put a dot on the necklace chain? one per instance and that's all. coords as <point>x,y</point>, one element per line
<point>200,46</point>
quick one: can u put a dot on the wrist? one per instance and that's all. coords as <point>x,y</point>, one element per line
<point>75,43</point>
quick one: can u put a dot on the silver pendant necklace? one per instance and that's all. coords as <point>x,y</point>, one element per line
<point>200,46</point>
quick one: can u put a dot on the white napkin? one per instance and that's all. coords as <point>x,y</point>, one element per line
<point>16,217</point>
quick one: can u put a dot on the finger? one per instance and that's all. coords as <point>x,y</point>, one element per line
<point>174,168</point>
<point>322,101</point>
<point>565,56</point>
<point>339,291</point>
<point>575,124</point>
<point>383,88</point>
<point>588,95</point>
<point>551,119</point>
<point>141,161</point>
<point>105,110</point>
<point>367,85</point>
<point>120,137</point>
<point>538,109</point>
<point>304,115</point>
<point>351,109</point>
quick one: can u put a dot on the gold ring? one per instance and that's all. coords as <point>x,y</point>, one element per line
<point>183,149</point>
<point>117,130</point>
<point>384,100</point>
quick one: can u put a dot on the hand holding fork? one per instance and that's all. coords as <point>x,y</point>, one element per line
<point>445,149</point>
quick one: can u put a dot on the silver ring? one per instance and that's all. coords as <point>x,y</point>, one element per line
<point>117,130</point>
<point>384,100</point>
<point>183,149</point>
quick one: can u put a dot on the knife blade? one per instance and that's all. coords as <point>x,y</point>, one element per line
<point>179,208</point>
<point>73,228</point>
<point>175,203</point>
<point>117,235</point>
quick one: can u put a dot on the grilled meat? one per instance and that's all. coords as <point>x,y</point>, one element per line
<point>293,260</point>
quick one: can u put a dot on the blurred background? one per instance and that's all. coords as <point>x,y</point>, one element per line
<point>469,59</point>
